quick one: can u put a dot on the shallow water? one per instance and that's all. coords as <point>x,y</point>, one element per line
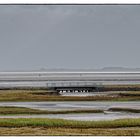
<point>43,79</point>
<point>81,116</point>
<point>95,116</point>
<point>7,84</point>
<point>69,105</point>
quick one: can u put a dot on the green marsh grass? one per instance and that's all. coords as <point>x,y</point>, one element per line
<point>44,122</point>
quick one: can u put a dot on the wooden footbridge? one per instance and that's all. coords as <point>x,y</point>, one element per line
<point>74,86</point>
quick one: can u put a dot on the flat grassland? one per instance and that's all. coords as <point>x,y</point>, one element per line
<point>32,126</point>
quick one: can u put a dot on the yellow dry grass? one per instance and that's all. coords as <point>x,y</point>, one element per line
<point>42,131</point>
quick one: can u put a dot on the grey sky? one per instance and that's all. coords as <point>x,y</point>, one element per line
<point>62,36</point>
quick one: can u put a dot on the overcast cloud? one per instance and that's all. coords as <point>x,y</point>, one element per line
<point>76,37</point>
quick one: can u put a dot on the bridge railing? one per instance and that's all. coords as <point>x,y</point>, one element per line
<point>70,84</point>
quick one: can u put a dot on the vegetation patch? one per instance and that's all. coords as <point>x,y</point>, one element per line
<point>47,123</point>
<point>44,95</point>
<point>130,93</point>
<point>124,110</point>
<point>135,87</point>
<point>23,110</point>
